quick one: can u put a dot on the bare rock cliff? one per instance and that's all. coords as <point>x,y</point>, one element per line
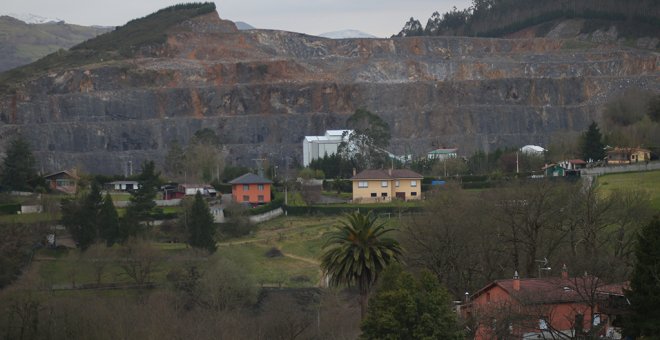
<point>262,91</point>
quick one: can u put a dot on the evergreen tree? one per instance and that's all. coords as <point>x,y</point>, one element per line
<point>644,294</point>
<point>142,200</point>
<point>592,146</point>
<point>81,216</point>
<point>18,168</point>
<point>201,230</point>
<point>405,308</point>
<point>142,203</point>
<point>108,221</point>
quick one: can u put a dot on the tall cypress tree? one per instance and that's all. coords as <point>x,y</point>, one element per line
<point>108,221</point>
<point>81,217</point>
<point>592,146</point>
<point>644,294</point>
<point>201,230</point>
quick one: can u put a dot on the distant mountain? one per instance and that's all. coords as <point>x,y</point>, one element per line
<point>30,18</point>
<point>346,34</point>
<point>25,40</point>
<point>243,25</point>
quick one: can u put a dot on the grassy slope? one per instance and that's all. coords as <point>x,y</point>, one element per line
<point>647,181</point>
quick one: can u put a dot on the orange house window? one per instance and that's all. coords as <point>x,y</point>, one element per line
<point>246,187</point>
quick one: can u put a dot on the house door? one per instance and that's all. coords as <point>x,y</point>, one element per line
<point>401,195</point>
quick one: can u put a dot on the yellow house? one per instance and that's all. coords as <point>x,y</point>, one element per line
<point>628,155</point>
<point>370,186</point>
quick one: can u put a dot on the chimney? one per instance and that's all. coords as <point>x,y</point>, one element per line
<point>564,272</point>
<point>516,281</point>
<point>354,172</point>
<point>389,171</point>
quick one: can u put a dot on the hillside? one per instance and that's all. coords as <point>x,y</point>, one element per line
<point>22,43</point>
<point>603,20</point>
<point>126,95</point>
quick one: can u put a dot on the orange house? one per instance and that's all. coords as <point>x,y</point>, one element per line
<point>545,308</point>
<point>251,188</point>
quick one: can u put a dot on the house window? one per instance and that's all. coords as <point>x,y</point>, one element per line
<point>383,194</point>
<point>260,187</point>
<point>373,194</point>
<point>246,187</point>
<point>363,184</point>
<point>396,183</point>
<point>596,319</point>
<point>383,184</point>
<point>260,198</point>
<point>413,183</point>
<point>246,198</point>
<point>414,193</point>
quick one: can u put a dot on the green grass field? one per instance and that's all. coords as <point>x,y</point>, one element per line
<point>646,181</point>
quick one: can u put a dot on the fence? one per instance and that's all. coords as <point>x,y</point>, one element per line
<point>620,168</point>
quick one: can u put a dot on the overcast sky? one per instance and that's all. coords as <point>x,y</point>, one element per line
<point>378,17</point>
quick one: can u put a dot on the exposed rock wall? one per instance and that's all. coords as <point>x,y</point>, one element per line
<point>262,91</point>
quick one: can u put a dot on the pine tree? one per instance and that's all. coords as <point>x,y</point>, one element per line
<point>18,168</point>
<point>201,230</point>
<point>81,216</point>
<point>142,203</point>
<point>142,200</point>
<point>108,221</point>
<point>644,294</point>
<point>592,146</point>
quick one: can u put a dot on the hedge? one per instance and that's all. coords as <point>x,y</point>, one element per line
<point>344,209</point>
<point>9,209</point>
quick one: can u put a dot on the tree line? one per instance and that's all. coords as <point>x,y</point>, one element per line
<point>494,18</point>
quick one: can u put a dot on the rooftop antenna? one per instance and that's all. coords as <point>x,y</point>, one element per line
<point>543,265</point>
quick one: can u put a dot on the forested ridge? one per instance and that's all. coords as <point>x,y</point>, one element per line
<point>497,18</point>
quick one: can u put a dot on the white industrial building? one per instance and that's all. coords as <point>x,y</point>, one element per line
<point>315,147</point>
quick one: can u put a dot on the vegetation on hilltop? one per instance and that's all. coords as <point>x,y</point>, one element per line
<point>123,42</point>
<point>496,18</point>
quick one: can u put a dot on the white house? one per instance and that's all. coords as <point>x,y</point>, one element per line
<point>442,154</point>
<point>315,147</point>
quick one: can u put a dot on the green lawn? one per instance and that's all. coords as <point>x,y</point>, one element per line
<point>647,181</point>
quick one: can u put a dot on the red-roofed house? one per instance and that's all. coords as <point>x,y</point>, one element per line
<point>546,308</point>
<point>371,186</point>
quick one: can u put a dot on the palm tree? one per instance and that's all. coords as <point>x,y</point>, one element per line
<point>356,253</point>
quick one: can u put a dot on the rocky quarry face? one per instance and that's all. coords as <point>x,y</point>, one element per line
<point>262,91</point>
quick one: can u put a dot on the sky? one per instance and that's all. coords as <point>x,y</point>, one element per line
<point>381,18</point>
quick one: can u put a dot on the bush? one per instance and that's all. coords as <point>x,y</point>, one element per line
<point>477,185</point>
<point>10,209</point>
